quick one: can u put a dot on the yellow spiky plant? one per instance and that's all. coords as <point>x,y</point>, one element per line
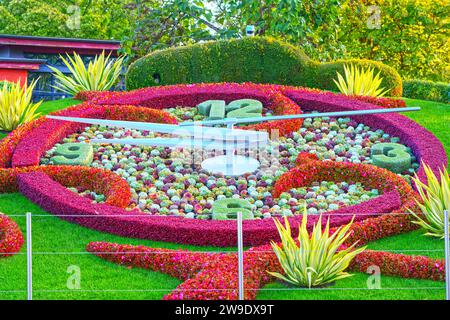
<point>360,81</point>
<point>16,106</point>
<point>99,75</point>
<point>435,199</point>
<point>316,259</point>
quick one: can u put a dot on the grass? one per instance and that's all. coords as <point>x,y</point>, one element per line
<point>58,245</point>
<point>434,116</point>
<point>104,280</point>
<point>50,106</point>
<point>356,288</point>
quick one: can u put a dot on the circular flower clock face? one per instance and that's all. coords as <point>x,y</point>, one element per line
<point>332,166</point>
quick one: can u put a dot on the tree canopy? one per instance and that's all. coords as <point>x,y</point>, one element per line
<point>409,35</point>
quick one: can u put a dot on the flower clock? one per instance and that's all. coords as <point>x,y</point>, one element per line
<point>339,167</point>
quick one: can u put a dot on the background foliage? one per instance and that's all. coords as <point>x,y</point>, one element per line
<point>250,59</point>
<point>410,35</point>
<point>97,19</point>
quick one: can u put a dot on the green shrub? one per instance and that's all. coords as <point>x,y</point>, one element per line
<point>16,106</point>
<point>254,59</point>
<point>426,90</point>
<point>435,199</point>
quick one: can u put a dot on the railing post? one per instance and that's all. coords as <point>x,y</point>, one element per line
<point>447,258</point>
<point>240,256</point>
<point>29,259</point>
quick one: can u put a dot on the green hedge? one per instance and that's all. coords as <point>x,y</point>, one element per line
<point>253,59</point>
<point>426,90</point>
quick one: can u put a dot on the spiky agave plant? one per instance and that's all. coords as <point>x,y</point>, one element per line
<point>360,81</point>
<point>16,106</point>
<point>435,199</point>
<point>311,261</point>
<point>100,74</point>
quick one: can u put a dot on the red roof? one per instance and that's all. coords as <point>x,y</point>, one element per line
<point>59,45</point>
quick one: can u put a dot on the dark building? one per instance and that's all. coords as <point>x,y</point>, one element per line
<point>24,58</point>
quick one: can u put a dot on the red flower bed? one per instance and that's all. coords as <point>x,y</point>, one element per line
<point>210,276</point>
<point>112,186</point>
<point>11,238</point>
<point>192,95</point>
<point>207,276</point>
<point>382,102</point>
<point>104,96</point>
<point>405,266</point>
<point>309,170</point>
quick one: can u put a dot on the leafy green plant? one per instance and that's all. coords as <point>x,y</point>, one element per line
<point>16,106</point>
<point>316,259</point>
<point>101,74</point>
<point>426,90</point>
<point>360,81</point>
<point>435,197</point>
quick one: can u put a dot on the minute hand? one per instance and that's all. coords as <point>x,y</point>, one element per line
<point>298,116</point>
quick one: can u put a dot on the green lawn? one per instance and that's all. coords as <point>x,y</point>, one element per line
<point>355,288</point>
<point>104,280</point>
<point>50,106</point>
<point>434,116</point>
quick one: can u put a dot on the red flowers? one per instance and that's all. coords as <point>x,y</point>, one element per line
<point>11,238</point>
<point>116,190</point>
<point>213,276</point>
<point>417,267</point>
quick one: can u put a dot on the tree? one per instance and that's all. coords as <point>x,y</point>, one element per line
<point>309,24</point>
<point>100,19</point>
<point>412,36</point>
<point>164,23</point>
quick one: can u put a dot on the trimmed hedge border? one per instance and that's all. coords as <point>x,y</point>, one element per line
<point>11,238</point>
<point>209,276</point>
<point>427,90</point>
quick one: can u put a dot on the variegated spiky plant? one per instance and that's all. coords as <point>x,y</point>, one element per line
<point>435,199</point>
<point>16,106</point>
<point>360,81</point>
<point>316,259</point>
<point>100,74</point>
